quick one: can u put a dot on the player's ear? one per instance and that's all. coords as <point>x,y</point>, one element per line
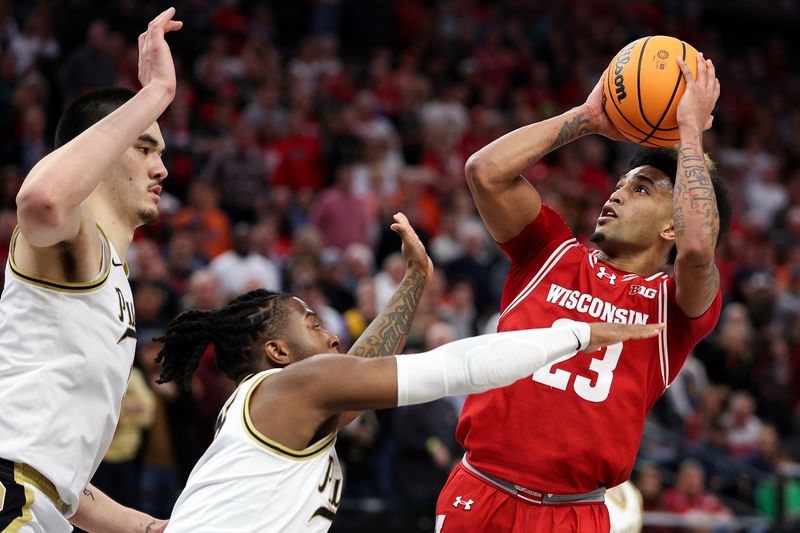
<point>668,233</point>
<point>277,353</point>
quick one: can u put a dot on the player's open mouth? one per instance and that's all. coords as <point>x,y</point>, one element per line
<point>607,214</point>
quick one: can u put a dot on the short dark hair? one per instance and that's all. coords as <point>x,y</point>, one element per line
<point>87,110</point>
<point>666,160</point>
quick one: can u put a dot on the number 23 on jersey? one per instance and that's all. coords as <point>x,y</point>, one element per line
<point>603,367</point>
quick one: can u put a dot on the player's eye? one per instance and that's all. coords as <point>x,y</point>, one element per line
<point>642,188</point>
<point>144,149</point>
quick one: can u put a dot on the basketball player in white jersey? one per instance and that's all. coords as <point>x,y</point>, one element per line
<point>625,510</point>
<point>67,325</point>
<point>272,466</point>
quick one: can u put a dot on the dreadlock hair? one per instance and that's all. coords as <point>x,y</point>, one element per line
<point>666,160</point>
<point>87,110</point>
<point>237,331</point>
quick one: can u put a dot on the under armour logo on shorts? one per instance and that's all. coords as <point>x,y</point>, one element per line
<point>466,503</point>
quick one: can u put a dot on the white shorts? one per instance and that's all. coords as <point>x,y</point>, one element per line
<point>26,509</point>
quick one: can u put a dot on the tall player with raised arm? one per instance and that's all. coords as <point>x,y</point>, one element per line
<point>541,452</point>
<point>67,324</point>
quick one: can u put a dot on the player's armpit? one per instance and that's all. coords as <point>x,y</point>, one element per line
<point>696,285</point>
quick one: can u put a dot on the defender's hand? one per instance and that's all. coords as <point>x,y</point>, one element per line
<point>413,251</point>
<point>700,96</point>
<point>604,333</point>
<point>155,58</point>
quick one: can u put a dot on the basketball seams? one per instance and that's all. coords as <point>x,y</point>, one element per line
<point>640,129</point>
<point>671,98</point>
<point>639,86</point>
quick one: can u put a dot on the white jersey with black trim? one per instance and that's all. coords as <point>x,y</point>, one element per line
<point>246,482</point>
<point>66,351</point>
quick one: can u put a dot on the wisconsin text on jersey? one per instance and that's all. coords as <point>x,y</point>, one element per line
<point>593,306</point>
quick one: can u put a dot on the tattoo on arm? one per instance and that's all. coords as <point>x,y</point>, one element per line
<point>387,333</point>
<point>88,493</point>
<point>571,130</point>
<point>149,527</point>
<point>695,192</point>
<point>708,275</point>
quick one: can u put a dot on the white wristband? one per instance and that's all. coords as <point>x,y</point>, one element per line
<point>478,364</point>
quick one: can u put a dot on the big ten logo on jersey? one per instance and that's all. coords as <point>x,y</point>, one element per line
<point>330,487</point>
<point>594,390</point>
<point>127,315</point>
<point>647,292</point>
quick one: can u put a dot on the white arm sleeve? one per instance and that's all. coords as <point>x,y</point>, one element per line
<point>477,364</point>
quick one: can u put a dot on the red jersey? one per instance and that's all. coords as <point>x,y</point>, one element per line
<point>575,425</point>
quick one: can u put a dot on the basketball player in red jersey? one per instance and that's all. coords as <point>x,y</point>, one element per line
<point>541,452</point>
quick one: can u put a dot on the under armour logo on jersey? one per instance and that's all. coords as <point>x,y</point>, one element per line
<point>603,274</point>
<point>466,503</point>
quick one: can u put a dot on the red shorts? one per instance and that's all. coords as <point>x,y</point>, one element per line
<point>467,504</point>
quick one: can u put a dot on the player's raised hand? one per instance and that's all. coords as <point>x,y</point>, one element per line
<point>413,250</point>
<point>604,333</point>
<point>155,57</point>
<point>595,111</point>
<point>700,96</point>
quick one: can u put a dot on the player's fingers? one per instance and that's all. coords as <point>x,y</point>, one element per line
<point>687,72</point>
<point>702,71</point>
<point>401,218</point>
<point>647,331</point>
<point>162,17</point>
<point>141,40</point>
<point>173,25</point>
<point>712,70</point>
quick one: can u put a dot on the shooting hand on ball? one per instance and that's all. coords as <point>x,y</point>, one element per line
<point>697,103</point>
<point>596,113</point>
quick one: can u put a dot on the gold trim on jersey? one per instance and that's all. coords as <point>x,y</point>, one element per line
<point>315,450</point>
<point>25,515</point>
<point>29,476</point>
<point>63,286</point>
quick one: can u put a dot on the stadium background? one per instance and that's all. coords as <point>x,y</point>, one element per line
<point>299,127</point>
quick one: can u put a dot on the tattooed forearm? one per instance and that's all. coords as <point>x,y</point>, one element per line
<point>387,333</point>
<point>149,527</point>
<point>88,494</point>
<point>694,202</point>
<point>708,276</point>
<point>571,130</point>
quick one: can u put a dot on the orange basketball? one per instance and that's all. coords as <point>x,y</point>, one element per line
<point>643,86</point>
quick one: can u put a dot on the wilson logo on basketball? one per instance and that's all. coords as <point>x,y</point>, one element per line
<point>619,80</point>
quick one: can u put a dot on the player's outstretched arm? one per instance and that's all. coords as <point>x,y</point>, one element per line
<point>387,334</point>
<point>694,204</point>
<point>97,513</point>
<point>506,201</point>
<point>335,383</point>
<point>51,202</point>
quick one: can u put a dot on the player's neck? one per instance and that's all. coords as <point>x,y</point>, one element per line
<point>119,232</point>
<point>643,264</point>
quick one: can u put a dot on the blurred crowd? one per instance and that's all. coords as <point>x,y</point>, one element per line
<point>299,128</point>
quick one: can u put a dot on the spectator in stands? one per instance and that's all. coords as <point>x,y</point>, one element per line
<point>340,216</point>
<point>203,217</point>
<point>703,511</point>
<point>742,425</point>
<point>241,269</point>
